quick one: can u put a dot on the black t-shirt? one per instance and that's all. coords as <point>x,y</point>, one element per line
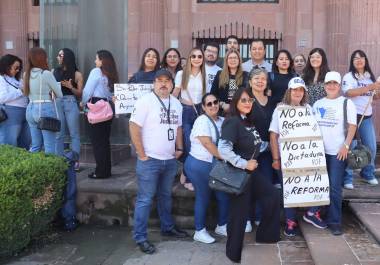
<point>142,77</point>
<point>261,117</point>
<point>278,83</point>
<point>226,93</point>
<point>244,136</point>
<point>61,75</point>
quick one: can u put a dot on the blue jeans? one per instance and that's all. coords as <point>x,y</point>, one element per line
<point>198,172</point>
<point>69,115</point>
<point>15,130</point>
<point>368,138</point>
<point>40,138</point>
<point>335,170</point>
<point>153,177</point>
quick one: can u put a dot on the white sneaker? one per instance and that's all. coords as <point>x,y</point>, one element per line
<point>349,186</point>
<point>372,182</point>
<point>221,230</point>
<point>203,236</point>
<point>248,227</point>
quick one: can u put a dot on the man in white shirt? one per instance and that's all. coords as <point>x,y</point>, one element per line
<point>156,132</point>
<point>257,57</point>
<point>211,56</point>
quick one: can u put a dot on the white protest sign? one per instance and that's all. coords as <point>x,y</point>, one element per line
<point>303,161</point>
<point>127,95</point>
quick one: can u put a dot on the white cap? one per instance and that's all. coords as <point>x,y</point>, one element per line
<point>296,82</point>
<point>333,76</point>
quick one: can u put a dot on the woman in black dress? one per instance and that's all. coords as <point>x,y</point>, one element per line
<point>240,145</point>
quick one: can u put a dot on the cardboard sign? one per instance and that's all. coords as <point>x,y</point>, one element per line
<point>303,161</point>
<point>127,95</point>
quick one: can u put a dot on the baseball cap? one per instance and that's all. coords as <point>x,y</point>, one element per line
<point>162,72</point>
<point>296,82</point>
<point>333,76</point>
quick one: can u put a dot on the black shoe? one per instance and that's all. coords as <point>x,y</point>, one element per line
<point>146,247</point>
<point>175,232</point>
<point>335,229</point>
<point>95,176</point>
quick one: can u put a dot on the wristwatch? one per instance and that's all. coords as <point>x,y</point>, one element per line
<point>346,145</point>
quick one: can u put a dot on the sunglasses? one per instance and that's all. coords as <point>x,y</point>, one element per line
<point>193,56</point>
<point>215,103</point>
<point>247,100</point>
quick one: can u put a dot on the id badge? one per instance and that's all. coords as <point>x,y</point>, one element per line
<point>170,134</point>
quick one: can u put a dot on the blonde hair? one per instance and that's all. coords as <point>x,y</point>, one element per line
<point>187,71</point>
<point>224,77</point>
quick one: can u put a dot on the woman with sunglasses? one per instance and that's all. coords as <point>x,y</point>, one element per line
<point>240,145</point>
<point>190,84</point>
<point>295,95</point>
<point>229,79</point>
<point>14,130</point>
<point>314,74</point>
<point>171,61</point>
<point>72,85</point>
<point>204,138</point>
<point>150,63</point>
<point>360,85</point>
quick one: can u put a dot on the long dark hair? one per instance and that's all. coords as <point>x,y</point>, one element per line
<point>108,67</point>
<point>367,68</point>
<point>308,71</point>
<point>37,57</point>
<point>235,100</point>
<point>68,66</point>
<point>142,64</point>
<point>274,65</point>
<point>6,63</point>
<point>164,64</point>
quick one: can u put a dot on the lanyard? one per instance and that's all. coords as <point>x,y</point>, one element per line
<point>10,83</point>
<point>167,110</point>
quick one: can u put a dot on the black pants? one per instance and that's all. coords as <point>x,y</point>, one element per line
<point>100,140</point>
<point>260,188</point>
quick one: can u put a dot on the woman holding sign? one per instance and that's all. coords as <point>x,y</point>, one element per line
<point>240,145</point>
<point>296,95</point>
<point>329,113</point>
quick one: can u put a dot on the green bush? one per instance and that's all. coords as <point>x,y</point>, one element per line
<point>31,188</point>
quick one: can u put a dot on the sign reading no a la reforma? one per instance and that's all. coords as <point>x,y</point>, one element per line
<point>303,162</point>
<point>127,95</point>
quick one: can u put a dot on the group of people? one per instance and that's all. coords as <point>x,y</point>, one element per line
<point>228,110</point>
<point>200,111</point>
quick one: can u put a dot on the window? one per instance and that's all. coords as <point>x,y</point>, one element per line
<point>238,1</point>
<point>35,2</point>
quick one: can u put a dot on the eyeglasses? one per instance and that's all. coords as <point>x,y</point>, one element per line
<point>247,100</point>
<point>358,58</point>
<point>16,68</point>
<point>215,103</point>
<point>193,56</point>
<point>60,55</point>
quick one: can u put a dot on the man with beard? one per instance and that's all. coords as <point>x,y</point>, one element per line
<point>211,56</point>
<point>156,132</point>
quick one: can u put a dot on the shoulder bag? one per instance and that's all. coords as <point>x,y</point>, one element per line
<point>48,123</point>
<point>359,156</point>
<point>225,177</point>
<point>99,111</point>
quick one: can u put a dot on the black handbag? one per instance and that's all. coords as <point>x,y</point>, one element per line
<point>225,177</point>
<point>359,156</point>
<point>48,123</point>
<point>3,115</point>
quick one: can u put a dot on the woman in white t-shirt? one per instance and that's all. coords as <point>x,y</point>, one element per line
<point>337,137</point>
<point>204,137</point>
<point>360,85</point>
<point>295,95</point>
<point>190,86</point>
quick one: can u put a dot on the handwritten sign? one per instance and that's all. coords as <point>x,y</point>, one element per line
<point>127,95</point>
<point>303,162</point>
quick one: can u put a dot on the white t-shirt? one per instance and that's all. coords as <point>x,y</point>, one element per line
<point>248,65</point>
<point>194,87</point>
<point>210,75</point>
<point>149,114</point>
<point>349,82</point>
<point>330,117</point>
<point>203,127</point>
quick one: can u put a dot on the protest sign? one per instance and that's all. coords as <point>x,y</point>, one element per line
<point>303,162</point>
<point>127,95</point>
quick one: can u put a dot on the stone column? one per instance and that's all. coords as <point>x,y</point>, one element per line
<point>290,26</point>
<point>133,36</point>
<point>185,26</point>
<point>338,13</point>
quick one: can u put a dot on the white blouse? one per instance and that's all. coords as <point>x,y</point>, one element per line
<point>194,87</point>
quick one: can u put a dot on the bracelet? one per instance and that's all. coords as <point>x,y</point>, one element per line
<point>346,145</point>
<point>179,149</point>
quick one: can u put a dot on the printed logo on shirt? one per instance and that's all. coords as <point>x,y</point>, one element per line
<point>328,116</point>
<point>210,78</point>
<point>173,117</point>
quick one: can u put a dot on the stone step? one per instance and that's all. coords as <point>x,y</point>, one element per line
<point>369,216</point>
